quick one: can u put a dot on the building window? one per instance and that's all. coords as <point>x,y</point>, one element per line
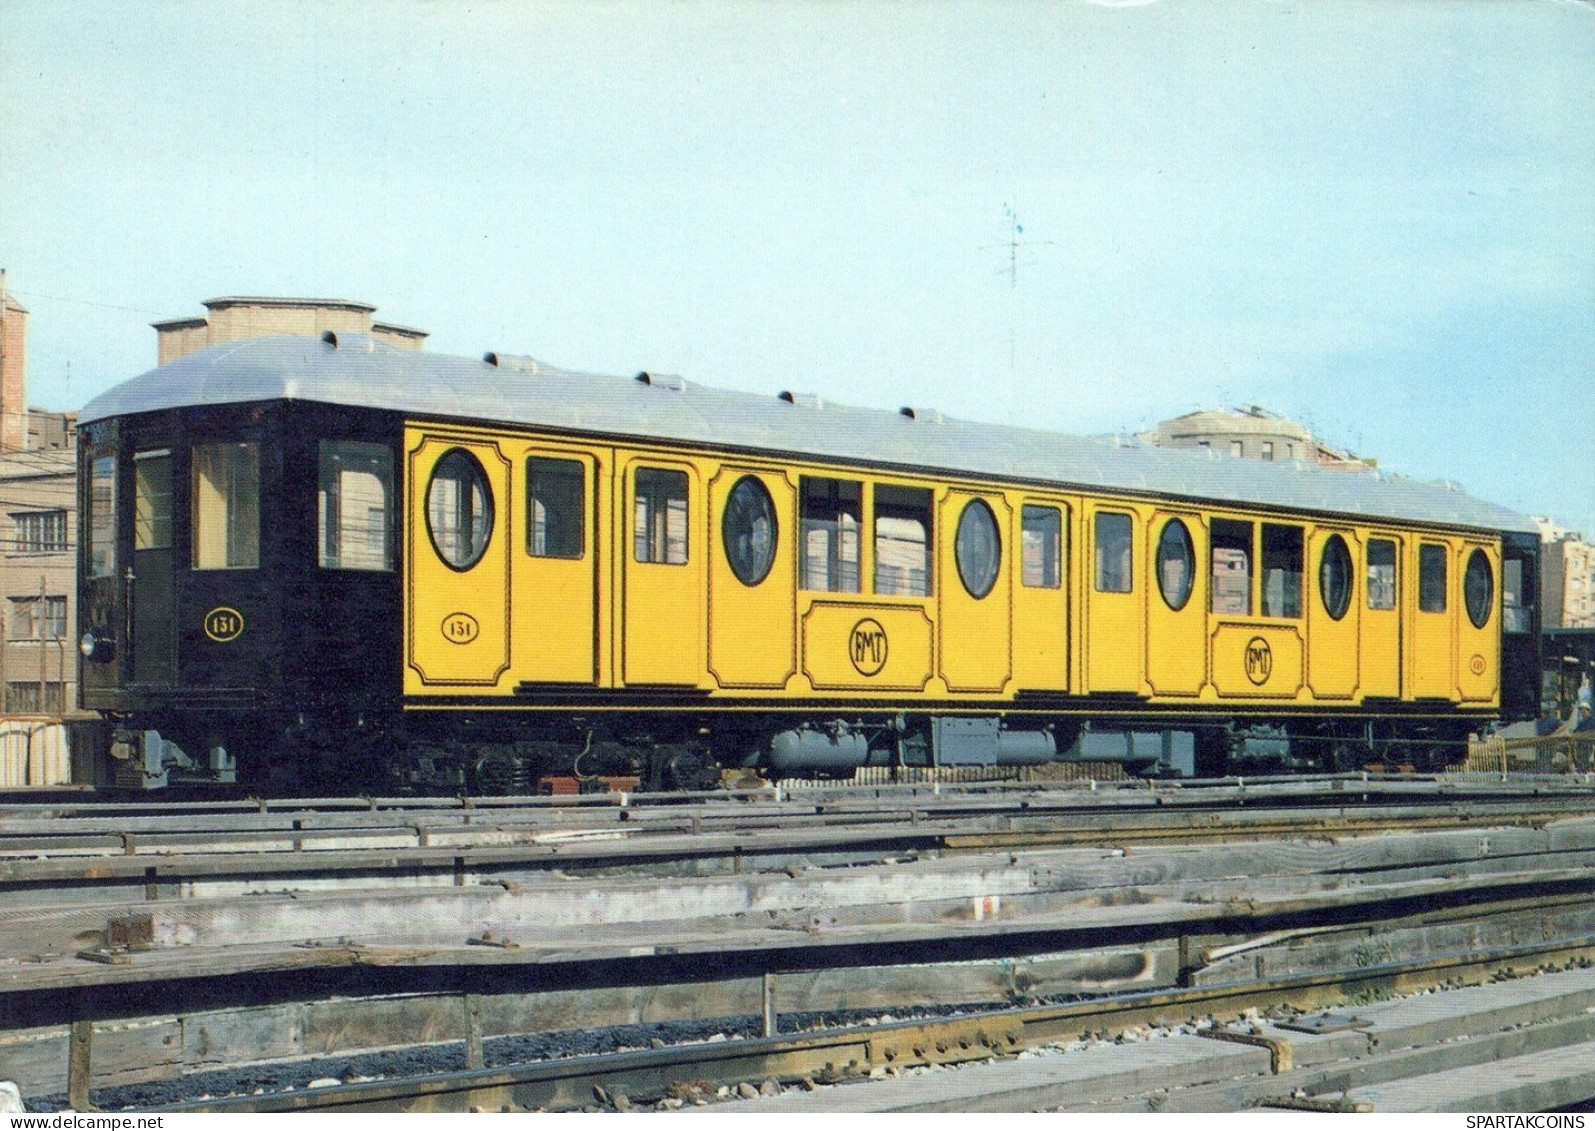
<point>1282,570</point>
<point>39,532</point>
<point>1042,535</point>
<point>1176,564</point>
<point>902,541</point>
<point>38,618</point>
<point>660,533</point>
<point>1431,578</point>
<point>22,698</point>
<point>1113,552</point>
<point>1381,573</point>
<point>748,530</point>
<point>1268,450</point>
<point>152,501</point>
<point>978,548</point>
<point>556,502</point>
<point>226,504</point>
<point>102,517</point>
<point>1236,449</point>
<point>1232,567</point>
<point>354,498</point>
<point>830,532</point>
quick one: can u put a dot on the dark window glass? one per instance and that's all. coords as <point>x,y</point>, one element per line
<point>1113,552</point>
<point>832,510</point>
<point>1478,588</point>
<point>226,506</point>
<point>38,618</point>
<point>556,508</point>
<point>660,530</point>
<point>1282,570</point>
<point>1043,548</point>
<point>102,517</point>
<point>152,501</point>
<point>39,532</point>
<point>459,509</point>
<point>354,506</point>
<point>748,530</point>
<point>1517,595</point>
<point>1334,577</point>
<point>1232,567</point>
<point>1381,573</point>
<point>978,548</point>
<point>1176,564</point>
<point>1431,578</point>
<point>902,541</point>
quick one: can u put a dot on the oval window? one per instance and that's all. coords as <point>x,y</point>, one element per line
<point>1334,577</point>
<point>1176,564</point>
<point>748,529</point>
<point>459,509</point>
<point>1478,588</point>
<point>978,548</point>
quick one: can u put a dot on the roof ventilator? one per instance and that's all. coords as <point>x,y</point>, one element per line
<point>801,400</point>
<point>671,381</point>
<point>924,415</point>
<point>520,363</point>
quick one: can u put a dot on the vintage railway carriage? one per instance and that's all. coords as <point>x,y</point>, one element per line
<point>335,562</point>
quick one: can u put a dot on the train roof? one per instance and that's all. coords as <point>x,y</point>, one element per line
<point>360,371</point>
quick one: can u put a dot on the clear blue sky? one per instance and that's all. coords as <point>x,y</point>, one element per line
<point>1376,218</point>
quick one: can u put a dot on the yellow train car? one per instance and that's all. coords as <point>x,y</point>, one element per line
<point>569,574</point>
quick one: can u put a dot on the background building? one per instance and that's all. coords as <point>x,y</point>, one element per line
<point>1249,433</point>
<point>233,318</point>
<point>1567,577</point>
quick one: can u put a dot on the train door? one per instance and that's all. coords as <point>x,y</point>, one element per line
<point>152,628</point>
<point>555,595</point>
<point>663,580</point>
<point>1333,614</point>
<point>752,578</point>
<point>1176,613</point>
<point>102,623</point>
<point>1380,601</point>
<point>1040,597</point>
<point>975,614</point>
<point>1433,622</point>
<point>457,562</point>
<point>1113,631</point>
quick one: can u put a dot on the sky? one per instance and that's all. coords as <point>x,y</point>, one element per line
<point>1375,218</point>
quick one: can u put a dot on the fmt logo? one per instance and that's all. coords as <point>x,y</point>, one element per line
<point>866,647</point>
<point>1259,660</point>
<point>224,624</point>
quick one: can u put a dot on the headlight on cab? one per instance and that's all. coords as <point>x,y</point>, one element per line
<point>96,648</point>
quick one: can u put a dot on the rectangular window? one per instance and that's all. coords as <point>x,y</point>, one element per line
<point>1042,536</point>
<point>152,501</point>
<point>1236,449</point>
<point>832,510</point>
<point>902,542</point>
<point>354,499</point>
<point>661,516</point>
<point>22,698</point>
<point>226,503</point>
<point>556,519</point>
<point>1431,578</point>
<point>1381,573</point>
<point>1113,552</point>
<point>1517,596</point>
<point>102,517</point>
<point>39,532</point>
<point>1232,567</point>
<point>1268,450</point>
<point>1282,570</point>
<point>38,618</point>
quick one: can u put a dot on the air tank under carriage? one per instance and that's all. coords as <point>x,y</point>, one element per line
<point>335,564</point>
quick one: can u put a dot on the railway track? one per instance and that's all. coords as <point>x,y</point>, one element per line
<point>294,933</point>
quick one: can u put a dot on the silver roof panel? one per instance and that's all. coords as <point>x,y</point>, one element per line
<point>360,371</point>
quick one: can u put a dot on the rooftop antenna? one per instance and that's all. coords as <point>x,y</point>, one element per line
<point>1013,243</point>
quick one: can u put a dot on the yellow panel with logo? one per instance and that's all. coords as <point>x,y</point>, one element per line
<point>1478,623</point>
<point>456,578</point>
